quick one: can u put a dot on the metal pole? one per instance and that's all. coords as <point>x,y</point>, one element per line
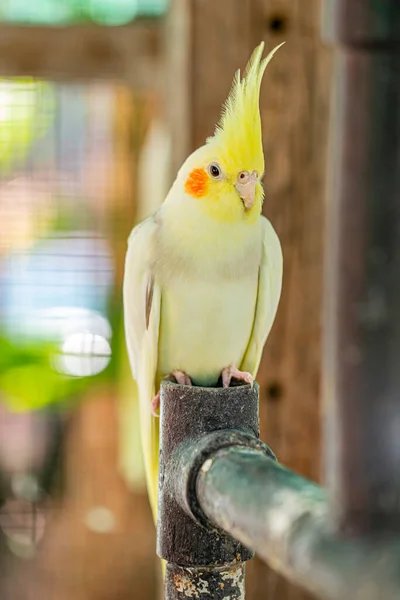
<point>207,582</point>
<point>362,332</point>
<point>194,423</point>
<point>219,483</point>
<point>286,520</point>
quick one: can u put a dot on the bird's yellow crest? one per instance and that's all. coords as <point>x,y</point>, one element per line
<point>238,134</point>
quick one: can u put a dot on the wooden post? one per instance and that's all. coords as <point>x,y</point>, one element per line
<point>294,101</point>
<point>295,105</point>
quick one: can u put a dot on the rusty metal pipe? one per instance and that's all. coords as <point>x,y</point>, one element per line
<point>196,422</point>
<point>226,582</point>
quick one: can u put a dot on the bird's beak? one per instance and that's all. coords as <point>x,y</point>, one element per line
<point>246,188</point>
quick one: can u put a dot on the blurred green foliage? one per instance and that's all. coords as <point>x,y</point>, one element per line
<point>28,380</point>
<point>64,12</point>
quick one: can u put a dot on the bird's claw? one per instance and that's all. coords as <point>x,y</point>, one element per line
<point>232,372</point>
<point>155,405</point>
<point>182,378</point>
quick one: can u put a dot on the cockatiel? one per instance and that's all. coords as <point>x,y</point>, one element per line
<point>203,275</point>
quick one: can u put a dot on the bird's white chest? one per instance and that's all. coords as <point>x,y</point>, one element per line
<point>205,325</point>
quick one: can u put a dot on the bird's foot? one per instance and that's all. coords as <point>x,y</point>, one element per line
<point>155,405</point>
<point>182,378</point>
<point>232,372</point>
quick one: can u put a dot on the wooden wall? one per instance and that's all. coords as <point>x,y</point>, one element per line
<point>295,99</point>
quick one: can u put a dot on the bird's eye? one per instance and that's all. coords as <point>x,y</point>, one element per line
<point>215,170</point>
<point>243,175</point>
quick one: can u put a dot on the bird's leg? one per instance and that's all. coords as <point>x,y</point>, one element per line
<point>155,405</point>
<point>232,372</point>
<point>182,378</point>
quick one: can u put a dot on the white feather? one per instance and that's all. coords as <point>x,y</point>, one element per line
<point>141,330</point>
<point>269,292</point>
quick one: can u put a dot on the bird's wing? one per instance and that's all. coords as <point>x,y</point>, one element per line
<point>142,300</point>
<point>269,291</point>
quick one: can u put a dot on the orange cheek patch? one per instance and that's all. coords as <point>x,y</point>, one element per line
<point>196,183</point>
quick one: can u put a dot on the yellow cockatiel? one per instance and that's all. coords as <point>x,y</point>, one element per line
<point>203,275</point>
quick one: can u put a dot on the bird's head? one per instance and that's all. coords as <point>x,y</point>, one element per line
<point>223,177</point>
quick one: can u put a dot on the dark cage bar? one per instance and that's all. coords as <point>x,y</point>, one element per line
<point>362,386</point>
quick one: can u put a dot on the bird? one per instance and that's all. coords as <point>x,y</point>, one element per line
<point>203,274</point>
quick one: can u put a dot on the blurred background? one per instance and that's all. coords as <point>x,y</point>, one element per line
<point>100,102</point>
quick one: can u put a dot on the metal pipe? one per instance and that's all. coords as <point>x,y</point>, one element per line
<point>221,492</point>
<point>285,519</point>
<point>195,422</point>
<point>218,583</point>
<point>362,328</point>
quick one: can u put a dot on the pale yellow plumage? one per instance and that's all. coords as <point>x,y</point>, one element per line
<point>203,275</point>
